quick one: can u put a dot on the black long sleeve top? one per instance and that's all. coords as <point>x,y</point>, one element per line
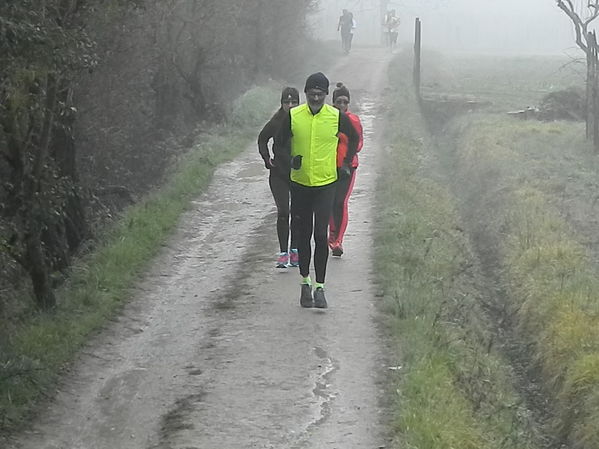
<point>270,131</point>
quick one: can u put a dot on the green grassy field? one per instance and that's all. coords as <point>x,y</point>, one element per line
<point>506,82</point>
<point>543,175</point>
<point>454,389</point>
<point>490,260</point>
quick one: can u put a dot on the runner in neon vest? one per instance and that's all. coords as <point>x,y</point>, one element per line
<point>308,140</point>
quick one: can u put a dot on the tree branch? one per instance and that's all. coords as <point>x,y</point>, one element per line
<point>594,14</point>
<point>579,26</point>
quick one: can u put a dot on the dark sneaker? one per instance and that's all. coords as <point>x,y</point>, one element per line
<point>306,296</point>
<point>320,301</point>
<point>337,250</point>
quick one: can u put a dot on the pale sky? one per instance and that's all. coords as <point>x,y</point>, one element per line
<point>506,26</point>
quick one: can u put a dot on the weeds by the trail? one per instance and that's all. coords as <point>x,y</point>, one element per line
<point>529,192</point>
<point>553,291</point>
<point>454,390</point>
<point>34,352</point>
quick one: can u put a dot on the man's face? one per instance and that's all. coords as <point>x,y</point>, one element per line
<point>315,98</point>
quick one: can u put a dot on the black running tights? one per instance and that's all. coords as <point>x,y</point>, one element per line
<point>279,186</point>
<point>311,209</point>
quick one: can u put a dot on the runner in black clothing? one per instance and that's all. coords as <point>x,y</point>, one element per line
<point>308,143</point>
<point>278,180</point>
<point>345,25</point>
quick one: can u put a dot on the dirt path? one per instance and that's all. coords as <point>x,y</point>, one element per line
<point>215,352</point>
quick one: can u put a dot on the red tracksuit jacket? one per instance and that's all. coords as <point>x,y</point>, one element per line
<point>342,146</point>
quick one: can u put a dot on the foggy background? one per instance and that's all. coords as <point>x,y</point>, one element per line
<point>489,26</point>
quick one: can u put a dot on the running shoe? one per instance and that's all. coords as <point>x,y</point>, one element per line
<point>282,260</point>
<point>294,258</point>
<point>306,296</point>
<point>320,301</point>
<point>337,250</point>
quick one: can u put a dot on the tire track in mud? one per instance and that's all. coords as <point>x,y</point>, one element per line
<point>485,241</point>
<point>322,393</point>
<point>214,350</point>
<point>516,352</point>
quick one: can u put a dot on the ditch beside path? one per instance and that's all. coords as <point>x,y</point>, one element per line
<point>214,350</point>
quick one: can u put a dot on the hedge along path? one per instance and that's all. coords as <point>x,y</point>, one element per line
<point>552,286</point>
<point>99,285</point>
<point>454,390</point>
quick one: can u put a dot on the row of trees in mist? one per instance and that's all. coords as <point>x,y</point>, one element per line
<point>89,90</point>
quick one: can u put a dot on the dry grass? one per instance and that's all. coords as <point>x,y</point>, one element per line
<point>552,283</point>
<point>454,390</point>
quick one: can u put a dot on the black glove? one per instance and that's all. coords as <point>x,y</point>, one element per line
<point>269,163</point>
<point>344,171</point>
<point>296,162</point>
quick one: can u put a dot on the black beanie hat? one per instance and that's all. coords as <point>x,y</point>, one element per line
<point>341,91</point>
<point>290,93</point>
<point>317,81</point>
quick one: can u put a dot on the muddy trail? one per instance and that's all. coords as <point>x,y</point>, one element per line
<point>215,352</point>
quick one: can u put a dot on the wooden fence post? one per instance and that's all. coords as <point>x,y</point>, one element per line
<point>417,56</point>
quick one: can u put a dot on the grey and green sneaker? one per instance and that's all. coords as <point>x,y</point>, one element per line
<point>306,296</point>
<point>320,302</point>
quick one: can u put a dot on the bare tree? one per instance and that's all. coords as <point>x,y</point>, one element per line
<point>582,16</point>
<point>92,97</point>
<point>38,61</point>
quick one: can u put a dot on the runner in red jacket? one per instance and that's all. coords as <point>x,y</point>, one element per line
<point>339,216</point>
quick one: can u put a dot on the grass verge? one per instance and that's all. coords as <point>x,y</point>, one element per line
<point>454,390</point>
<point>553,292</point>
<point>34,352</point>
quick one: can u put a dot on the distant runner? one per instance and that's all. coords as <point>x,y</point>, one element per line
<point>309,137</point>
<point>339,217</point>
<point>391,24</point>
<point>346,25</point>
<point>278,180</point>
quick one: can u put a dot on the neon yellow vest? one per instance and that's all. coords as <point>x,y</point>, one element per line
<point>314,137</point>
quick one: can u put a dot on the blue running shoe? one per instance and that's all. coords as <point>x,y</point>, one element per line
<point>294,258</point>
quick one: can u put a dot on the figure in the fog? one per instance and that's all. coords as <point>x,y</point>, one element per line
<point>309,136</point>
<point>339,216</point>
<point>391,25</point>
<point>346,26</point>
<point>278,180</point>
